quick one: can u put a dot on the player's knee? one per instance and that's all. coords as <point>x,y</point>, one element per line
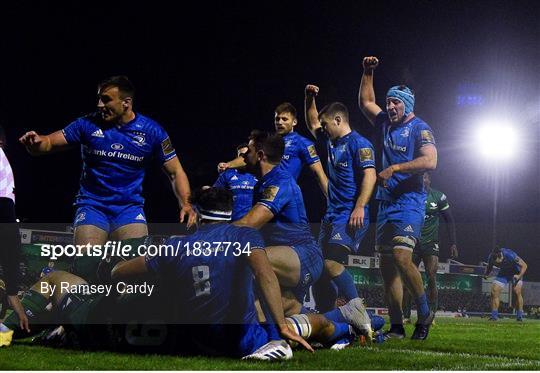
<point>333,268</point>
<point>300,324</point>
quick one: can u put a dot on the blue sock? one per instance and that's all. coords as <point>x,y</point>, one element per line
<point>422,305</point>
<point>377,322</point>
<point>345,285</point>
<point>341,330</point>
<point>494,314</point>
<point>336,316</point>
<point>519,314</point>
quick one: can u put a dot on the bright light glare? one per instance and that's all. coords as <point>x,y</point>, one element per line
<point>497,141</point>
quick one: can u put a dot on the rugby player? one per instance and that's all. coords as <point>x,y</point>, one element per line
<point>351,180</point>
<point>280,213</point>
<point>427,249</point>
<point>215,289</point>
<point>298,152</point>
<point>240,183</point>
<point>116,144</point>
<point>511,270</point>
<point>408,150</point>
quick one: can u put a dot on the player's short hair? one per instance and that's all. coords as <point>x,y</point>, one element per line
<point>335,108</point>
<point>286,107</point>
<point>271,144</point>
<point>212,199</point>
<point>122,82</point>
<point>495,253</point>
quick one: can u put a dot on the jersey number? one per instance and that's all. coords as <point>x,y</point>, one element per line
<point>201,283</point>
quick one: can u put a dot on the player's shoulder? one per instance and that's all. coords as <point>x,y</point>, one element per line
<point>299,139</point>
<point>359,140</point>
<point>419,124</point>
<point>146,123</point>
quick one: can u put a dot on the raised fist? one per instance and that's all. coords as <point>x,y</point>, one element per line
<point>312,90</point>
<point>370,63</point>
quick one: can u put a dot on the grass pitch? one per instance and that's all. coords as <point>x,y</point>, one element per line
<point>454,344</point>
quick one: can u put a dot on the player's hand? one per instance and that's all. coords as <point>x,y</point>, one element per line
<point>385,175</point>
<point>370,63</point>
<point>356,220</point>
<point>515,279</point>
<point>312,90</point>
<point>454,252</point>
<point>15,303</point>
<point>222,166</point>
<point>31,140</point>
<point>187,210</point>
<point>289,335</point>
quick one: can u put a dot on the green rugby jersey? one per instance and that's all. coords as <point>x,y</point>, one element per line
<point>435,203</point>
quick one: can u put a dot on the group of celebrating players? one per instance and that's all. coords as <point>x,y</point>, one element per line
<point>251,305</point>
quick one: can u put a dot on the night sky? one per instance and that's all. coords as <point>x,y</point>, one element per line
<point>211,72</point>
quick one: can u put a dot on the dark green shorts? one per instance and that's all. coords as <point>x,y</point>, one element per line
<point>426,249</point>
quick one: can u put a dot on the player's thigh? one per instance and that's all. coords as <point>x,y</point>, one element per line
<point>496,288</point>
<point>333,268</point>
<point>285,263</point>
<point>517,288</point>
<point>133,230</point>
<point>388,268</point>
<point>91,234</point>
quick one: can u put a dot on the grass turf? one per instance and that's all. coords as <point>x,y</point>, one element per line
<point>454,344</point>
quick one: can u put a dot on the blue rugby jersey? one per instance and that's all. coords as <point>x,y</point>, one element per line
<point>279,192</point>
<point>115,157</point>
<point>241,184</point>
<point>348,156</point>
<point>402,144</point>
<point>509,265</point>
<point>299,152</point>
<point>212,289</point>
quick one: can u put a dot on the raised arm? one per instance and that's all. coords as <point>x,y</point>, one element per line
<point>43,144</point>
<point>310,109</point>
<point>321,177</point>
<point>181,188</point>
<point>366,93</point>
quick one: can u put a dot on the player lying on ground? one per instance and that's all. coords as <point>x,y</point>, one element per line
<point>217,289</point>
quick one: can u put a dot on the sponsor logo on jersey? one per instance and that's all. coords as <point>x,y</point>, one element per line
<point>337,236</point>
<point>80,217</point>
<point>312,151</point>
<point>427,136</point>
<point>139,138</point>
<point>140,217</point>
<point>286,156</point>
<point>366,154</point>
<point>409,229</point>
<point>270,193</point>
<point>167,147</point>
<point>98,133</point>
<point>343,164</point>
<point>117,146</point>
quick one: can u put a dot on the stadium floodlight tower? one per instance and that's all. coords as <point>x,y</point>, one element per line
<point>497,144</point>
